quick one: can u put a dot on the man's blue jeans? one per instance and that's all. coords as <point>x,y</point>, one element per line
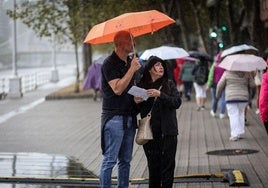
<point>215,101</point>
<point>118,149</point>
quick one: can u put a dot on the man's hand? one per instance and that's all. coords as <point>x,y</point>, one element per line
<point>135,64</point>
<point>118,85</point>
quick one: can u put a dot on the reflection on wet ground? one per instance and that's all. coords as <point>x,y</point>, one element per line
<point>39,170</point>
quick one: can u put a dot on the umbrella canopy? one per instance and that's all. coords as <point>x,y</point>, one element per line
<point>93,77</point>
<point>236,49</point>
<point>137,23</point>
<point>100,60</point>
<point>165,53</point>
<point>243,62</point>
<point>188,58</point>
<point>201,55</point>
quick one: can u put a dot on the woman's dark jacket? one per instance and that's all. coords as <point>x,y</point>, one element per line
<point>163,120</point>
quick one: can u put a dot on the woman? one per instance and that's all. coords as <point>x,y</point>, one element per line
<point>236,85</point>
<point>160,151</point>
<point>200,73</point>
<point>215,74</point>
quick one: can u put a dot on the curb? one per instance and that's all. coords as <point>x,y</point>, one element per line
<point>68,96</point>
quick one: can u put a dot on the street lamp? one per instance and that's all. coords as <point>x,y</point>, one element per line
<point>54,72</point>
<point>15,80</point>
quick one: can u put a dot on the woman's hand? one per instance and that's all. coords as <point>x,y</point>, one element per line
<point>153,93</point>
<point>138,99</point>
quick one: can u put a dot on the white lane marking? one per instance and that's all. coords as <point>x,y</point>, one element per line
<point>7,116</point>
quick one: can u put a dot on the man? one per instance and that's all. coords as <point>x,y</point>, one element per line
<point>118,111</point>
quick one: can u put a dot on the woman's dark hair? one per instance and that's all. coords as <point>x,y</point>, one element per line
<point>146,80</point>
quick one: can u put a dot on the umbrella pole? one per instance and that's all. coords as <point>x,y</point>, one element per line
<point>133,46</point>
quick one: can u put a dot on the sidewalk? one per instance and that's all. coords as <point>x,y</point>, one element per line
<point>66,77</point>
<point>71,128</point>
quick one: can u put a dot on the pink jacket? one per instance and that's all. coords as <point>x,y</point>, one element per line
<point>263,99</point>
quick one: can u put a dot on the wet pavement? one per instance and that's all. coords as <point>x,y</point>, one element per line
<point>39,169</point>
<point>70,129</point>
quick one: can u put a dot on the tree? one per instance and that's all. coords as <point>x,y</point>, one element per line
<point>244,22</point>
<point>72,19</point>
<point>52,18</point>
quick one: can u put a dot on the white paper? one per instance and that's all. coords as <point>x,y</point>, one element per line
<point>138,92</point>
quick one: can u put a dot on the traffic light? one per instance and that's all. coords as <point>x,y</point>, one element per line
<point>220,45</point>
<point>216,36</point>
<point>224,28</point>
<point>213,33</point>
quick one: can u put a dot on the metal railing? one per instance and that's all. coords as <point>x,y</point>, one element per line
<point>3,88</point>
<point>2,85</point>
<point>29,82</point>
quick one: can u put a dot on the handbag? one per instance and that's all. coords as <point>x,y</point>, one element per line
<point>145,133</point>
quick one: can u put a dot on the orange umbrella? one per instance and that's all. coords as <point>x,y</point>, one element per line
<point>137,23</point>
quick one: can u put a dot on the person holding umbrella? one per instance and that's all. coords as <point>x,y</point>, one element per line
<point>236,85</point>
<point>236,80</point>
<point>118,111</point>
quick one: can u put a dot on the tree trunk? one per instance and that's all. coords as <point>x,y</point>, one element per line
<point>184,37</point>
<point>255,26</point>
<point>166,7</point>
<point>87,56</point>
<point>198,24</point>
<point>87,51</point>
<point>76,89</point>
<point>235,22</point>
<point>259,30</point>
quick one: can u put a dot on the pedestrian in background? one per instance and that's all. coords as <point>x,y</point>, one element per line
<point>165,99</point>
<point>118,118</point>
<point>187,77</point>
<point>200,73</point>
<point>236,85</point>
<point>215,73</point>
<point>263,98</point>
<point>176,74</point>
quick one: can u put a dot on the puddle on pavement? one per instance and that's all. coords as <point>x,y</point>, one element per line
<point>26,168</point>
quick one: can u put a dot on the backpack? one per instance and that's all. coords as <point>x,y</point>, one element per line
<point>201,75</point>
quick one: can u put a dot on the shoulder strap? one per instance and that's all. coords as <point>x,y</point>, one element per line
<point>154,100</point>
